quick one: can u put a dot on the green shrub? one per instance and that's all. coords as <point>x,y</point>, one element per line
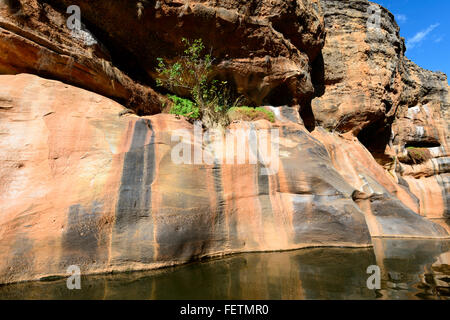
<point>418,155</point>
<point>269,113</point>
<point>190,75</point>
<point>250,114</point>
<point>184,107</point>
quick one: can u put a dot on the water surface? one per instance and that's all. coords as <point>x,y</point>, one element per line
<point>410,269</point>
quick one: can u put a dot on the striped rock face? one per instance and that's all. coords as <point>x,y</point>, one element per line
<point>397,110</point>
<point>389,201</point>
<point>82,184</point>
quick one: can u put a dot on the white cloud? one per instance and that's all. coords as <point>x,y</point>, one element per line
<point>420,36</point>
<point>439,39</point>
<point>401,18</point>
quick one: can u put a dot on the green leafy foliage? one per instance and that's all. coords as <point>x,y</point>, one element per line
<point>418,155</point>
<point>189,72</point>
<point>190,75</point>
<point>250,114</point>
<point>184,107</point>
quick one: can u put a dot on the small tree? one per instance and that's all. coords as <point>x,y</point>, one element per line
<point>190,74</point>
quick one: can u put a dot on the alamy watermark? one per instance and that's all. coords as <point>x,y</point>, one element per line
<point>74,24</point>
<point>232,146</point>
<point>374,20</point>
<point>74,280</point>
<point>374,281</point>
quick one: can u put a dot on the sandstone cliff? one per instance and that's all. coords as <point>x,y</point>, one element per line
<point>363,135</point>
<point>398,111</point>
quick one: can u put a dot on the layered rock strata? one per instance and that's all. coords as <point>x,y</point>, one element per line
<point>83,181</point>
<point>396,109</point>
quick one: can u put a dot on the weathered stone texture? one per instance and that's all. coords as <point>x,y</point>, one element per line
<point>363,135</point>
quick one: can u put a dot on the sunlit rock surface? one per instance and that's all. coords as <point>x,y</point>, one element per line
<point>85,181</point>
<point>397,110</point>
<point>83,185</point>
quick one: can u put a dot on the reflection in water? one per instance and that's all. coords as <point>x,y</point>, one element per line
<point>414,269</point>
<point>411,269</point>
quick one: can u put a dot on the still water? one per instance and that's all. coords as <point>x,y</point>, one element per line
<point>410,269</point>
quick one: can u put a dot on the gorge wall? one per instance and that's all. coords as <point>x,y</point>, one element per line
<point>87,176</point>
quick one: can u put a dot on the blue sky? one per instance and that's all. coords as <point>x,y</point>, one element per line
<point>425,24</point>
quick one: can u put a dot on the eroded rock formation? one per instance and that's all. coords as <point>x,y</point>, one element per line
<point>396,109</point>
<point>363,135</point>
<point>35,39</point>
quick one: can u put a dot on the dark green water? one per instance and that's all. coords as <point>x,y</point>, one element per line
<point>410,269</point>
